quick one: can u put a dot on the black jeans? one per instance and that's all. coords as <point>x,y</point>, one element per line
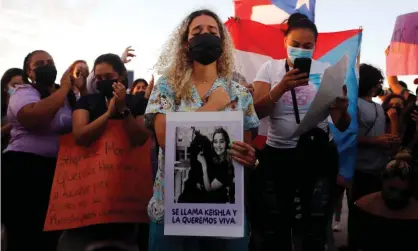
<point>26,183</point>
<point>313,173</point>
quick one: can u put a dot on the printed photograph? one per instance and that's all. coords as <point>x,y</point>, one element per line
<point>203,171</point>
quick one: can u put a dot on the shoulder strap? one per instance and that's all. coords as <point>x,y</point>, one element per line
<point>294,100</point>
<point>374,122</point>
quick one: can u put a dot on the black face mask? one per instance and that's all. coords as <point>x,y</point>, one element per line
<point>140,94</point>
<point>396,199</point>
<point>105,87</point>
<point>379,92</point>
<point>205,48</point>
<point>45,75</point>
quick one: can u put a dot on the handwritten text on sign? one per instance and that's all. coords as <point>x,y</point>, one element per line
<point>204,216</point>
<point>107,182</point>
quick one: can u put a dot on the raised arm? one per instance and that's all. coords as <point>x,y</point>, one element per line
<point>38,113</point>
<point>134,125</point>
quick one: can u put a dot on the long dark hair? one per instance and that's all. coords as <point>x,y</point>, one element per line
<point>300,21</point>
<point>5,79</point>
<point>369,77</point>
<point>116,63</point>
<point>385,104</point>
<point>227,142</point>
<point>200,143</point>
<point>44,92</point>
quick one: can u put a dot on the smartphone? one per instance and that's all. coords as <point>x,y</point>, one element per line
<point>304,65</point>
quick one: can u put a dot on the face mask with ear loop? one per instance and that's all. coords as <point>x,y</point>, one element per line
<point>294,52</point>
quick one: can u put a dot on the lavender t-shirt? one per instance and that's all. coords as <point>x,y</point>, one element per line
<point>40,142</point>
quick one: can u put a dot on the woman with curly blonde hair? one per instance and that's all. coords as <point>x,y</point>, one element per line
<point>196,68</point>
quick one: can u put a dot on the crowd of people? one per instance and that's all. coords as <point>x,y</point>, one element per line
<point>197,68</point>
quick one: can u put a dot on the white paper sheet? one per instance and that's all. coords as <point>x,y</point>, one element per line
<point>331,87</point>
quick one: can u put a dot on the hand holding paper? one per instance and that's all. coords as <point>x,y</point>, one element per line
<point>331,88</point>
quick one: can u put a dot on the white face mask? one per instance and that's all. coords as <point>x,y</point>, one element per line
<point>11,91</point>
<point>294,52</point>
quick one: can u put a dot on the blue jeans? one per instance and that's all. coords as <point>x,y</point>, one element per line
<point>160,242</point>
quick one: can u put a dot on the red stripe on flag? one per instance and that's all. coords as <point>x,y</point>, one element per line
<point>244,8</point>
<point>268,40</point>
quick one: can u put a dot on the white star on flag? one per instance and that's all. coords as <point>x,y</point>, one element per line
<point>300,3</point>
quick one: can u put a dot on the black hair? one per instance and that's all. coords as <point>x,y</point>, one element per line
<point>385,103</point>
<point>117,64</point>
<point>231,171</point>
<point>398,170</point>
<point>369,77</point>
<point>74,64</point>
<point>5,79</point>
<point>403,84</point>
<point>226,137</point>
<point>300,21</point>
<point>44,93</point>
<point>139,80</point>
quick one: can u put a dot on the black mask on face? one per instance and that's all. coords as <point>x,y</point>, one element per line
<point>105,87</point>
<point>379,92</point>
<point>396,199</point>
<point>45,75</point>
<point>140,94</point>
<point>205,48</point>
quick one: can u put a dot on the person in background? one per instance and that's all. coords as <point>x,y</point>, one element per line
<point>393,107</point>
<point>308,164</point>
<point>90,118</point>
<point>39,113</point>
<point>141,87</point>
<point>79,67</point>
<point>388,219</point>
<point>373,141</point>
<point>10,79</point>
<point>197,65</point>
<point>409,148</point>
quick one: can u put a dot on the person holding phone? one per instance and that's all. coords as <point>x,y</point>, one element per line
<point>284,90</point>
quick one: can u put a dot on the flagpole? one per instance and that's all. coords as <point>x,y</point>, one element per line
<point>359,51</point>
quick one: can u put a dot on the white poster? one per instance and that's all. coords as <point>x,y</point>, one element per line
<point>330,88</point>
<point>204,188</point>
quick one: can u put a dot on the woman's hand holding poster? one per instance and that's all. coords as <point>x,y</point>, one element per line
<point>205,194</point>
<point>107,182</point>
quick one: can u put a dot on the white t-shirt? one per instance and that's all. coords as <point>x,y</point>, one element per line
<point>282,122</point>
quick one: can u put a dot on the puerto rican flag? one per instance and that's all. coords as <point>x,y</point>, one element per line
<point>273,12</point>
<point>255,43</point>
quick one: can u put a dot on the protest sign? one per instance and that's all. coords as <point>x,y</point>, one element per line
<point>204,193</point>
<point>107,182</point>
<point>402,58</point>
